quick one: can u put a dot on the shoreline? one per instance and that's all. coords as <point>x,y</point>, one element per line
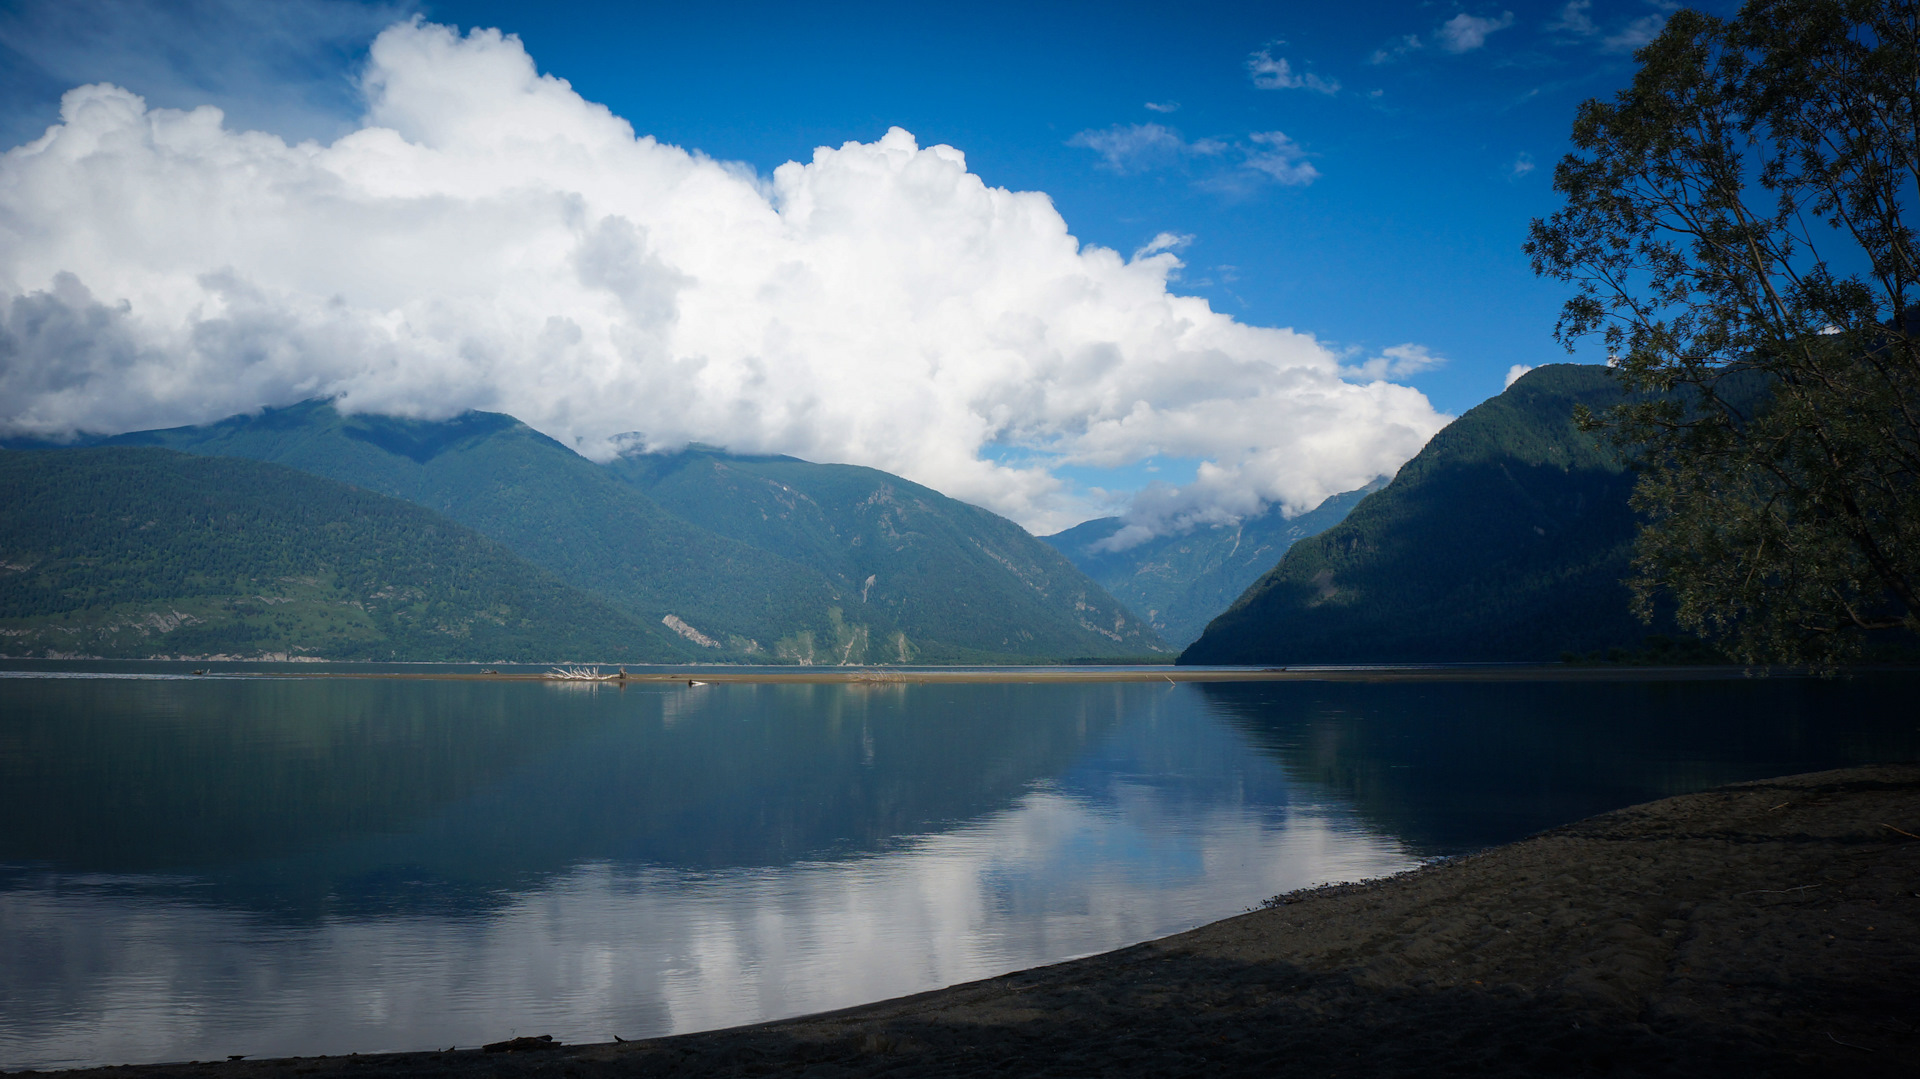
<point>1768,926</point>
<point>1092,675</point>
<point>872,676</point>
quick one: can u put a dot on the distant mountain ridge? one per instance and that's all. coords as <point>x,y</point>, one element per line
<point>1506,538</point>
<point>1179,582</point>
<point>137,552</point>
<point>790,589</point>
<point>906,559</point>
<point>541,500</point>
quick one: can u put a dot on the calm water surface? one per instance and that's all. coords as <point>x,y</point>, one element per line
<point>191,868</point>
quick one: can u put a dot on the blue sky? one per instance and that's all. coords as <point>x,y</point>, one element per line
<point>1411,231</point>
<point>1363,172</point>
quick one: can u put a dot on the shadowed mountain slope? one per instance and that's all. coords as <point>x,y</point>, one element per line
<point>934,579</point>
<point>755,559</point>
<point>133,552</point>
<point>1178,583</point>
<point>547,504</point>
<point>1506,538</point>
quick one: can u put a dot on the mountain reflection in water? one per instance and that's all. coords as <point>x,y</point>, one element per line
<point>190,869</point>
<point>1448,767</point>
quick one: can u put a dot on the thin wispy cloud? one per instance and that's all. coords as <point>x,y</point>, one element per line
<point>1465,33</point>
<point>1163,243</point>
<point>1522,165</point>
<point>1575,19</point>
<point>1575,23</point>
<point>1397,362</point>
<point>1236,168</point>
<point>1271,72</point>
<point>1635,35</point>
<point>1163,106</point>
<point>1129,148</point>
<point>1282,159</point>
<point>1408,43</point>
<point>269,66</point>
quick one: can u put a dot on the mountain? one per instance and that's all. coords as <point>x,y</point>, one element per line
<point>133,552</point>
<point>1179,582</point>
<point>1506,538</point>
<point>927,577</point>
<point>673,544</point>
<point>547,504</point>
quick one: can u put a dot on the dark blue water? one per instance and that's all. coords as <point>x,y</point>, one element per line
<point>191,868</point>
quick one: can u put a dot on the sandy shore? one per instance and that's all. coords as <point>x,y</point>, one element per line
<point>1768,928</point>
<point>1090,674</point>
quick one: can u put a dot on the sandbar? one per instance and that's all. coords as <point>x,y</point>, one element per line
<point>1515,672</point>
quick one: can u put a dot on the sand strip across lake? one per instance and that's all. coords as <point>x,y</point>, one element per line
<point>1515,672</point>
<point>1768,928</point>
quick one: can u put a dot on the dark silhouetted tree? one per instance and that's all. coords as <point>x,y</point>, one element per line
<point>1737,227</point>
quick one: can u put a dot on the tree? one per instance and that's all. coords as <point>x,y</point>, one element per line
<point>1736,224</point>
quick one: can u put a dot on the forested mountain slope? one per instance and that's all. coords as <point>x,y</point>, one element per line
<point>932,578</point>
<point>547,504</point>
<point>1179,582</point>
<point>1506,538</point>
<point>135,552</point>
<point>671,539</point>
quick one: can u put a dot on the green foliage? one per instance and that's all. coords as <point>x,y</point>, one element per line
<point>141,552</point>
<point>1506,538</point>
<point>747,559</point>
<point>1713,212</point>
<point>547,504</point>
<point>1180,582</point>
<point>1657,650</point>
<point>915,574</point>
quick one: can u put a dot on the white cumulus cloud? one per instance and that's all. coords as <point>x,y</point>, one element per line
<point>488,239</point>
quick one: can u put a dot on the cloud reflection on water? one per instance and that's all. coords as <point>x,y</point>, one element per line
<point>205,868</point>
<point>636,951</point>
<point>190,869</point>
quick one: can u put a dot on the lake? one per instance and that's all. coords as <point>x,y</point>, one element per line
<point>198,867</point>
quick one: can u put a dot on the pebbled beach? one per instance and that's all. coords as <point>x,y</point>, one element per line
<point>1766,928</point>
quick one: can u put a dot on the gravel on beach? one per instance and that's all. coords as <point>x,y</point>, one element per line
<point>1768,928</point>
